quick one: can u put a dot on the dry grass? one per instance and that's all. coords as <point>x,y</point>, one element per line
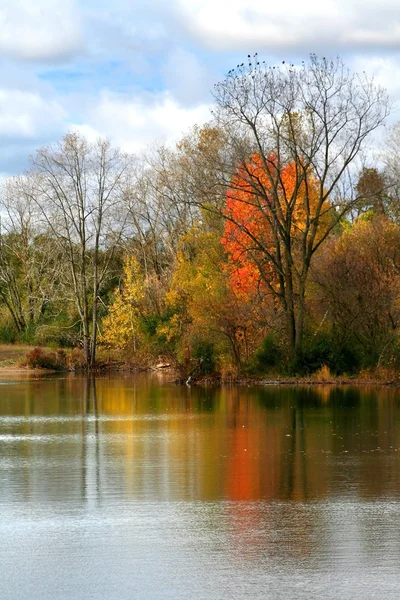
<point>382,374</point>
<point>12,355</point>
<point>323,374</point>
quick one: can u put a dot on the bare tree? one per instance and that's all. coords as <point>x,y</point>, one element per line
<point>316,119</point>
<point>81,190</point>
<point>158,217</point>
<point>29,266</point>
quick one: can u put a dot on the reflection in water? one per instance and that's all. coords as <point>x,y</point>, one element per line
<point>180,443</point>
<point>91,489</point>
<point>278,484</point>
<point>198,444</point>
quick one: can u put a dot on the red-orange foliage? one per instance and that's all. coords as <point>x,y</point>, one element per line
<point>257,203</point>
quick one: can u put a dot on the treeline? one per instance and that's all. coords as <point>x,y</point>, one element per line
<point>266,240</point>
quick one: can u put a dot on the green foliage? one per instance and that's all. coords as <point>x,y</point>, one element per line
<point>158,332</point>
<point>8,334</point>
<point>28,335</point>
<point>57,336</point>
<point>269,354</point>
<point>325,349</point>
<point>150,324</point>
<point>203,353</point>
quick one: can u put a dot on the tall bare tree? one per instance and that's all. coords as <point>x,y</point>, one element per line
<point>81,189</point>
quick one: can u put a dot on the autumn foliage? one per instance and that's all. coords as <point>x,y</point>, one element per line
<point>250,237</point>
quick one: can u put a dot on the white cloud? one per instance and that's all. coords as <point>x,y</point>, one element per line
<point>28,116</point>
<point>28,119</point>
<point>186,77</point>
<point>136,123</point>
<point>40,29</point>
<point>293,25</point>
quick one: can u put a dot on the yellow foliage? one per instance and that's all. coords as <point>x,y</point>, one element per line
<point>121,327</point>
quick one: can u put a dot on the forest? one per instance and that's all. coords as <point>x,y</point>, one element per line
<point>266,241</point>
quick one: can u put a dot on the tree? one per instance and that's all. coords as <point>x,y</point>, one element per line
<point>315,120</point>
<point>391,171</point>
<point>81,190</point>
<point>358,275</point>
<point>30,265</point>
<point>206,311</point>
<point>121,326</point>
<point>249,235</point>
<point>372,190</point>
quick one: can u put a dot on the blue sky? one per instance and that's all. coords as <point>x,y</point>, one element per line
<point>141,71</point>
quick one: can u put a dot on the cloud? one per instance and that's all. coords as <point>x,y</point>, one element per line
<point>136,123</point>
<point>27,121</point>
<point>40,30</point>
<point>186,77</point>
<point>384,69</point>
<point>26,115</point>
<point>339,25</point>
<point>140,71</point>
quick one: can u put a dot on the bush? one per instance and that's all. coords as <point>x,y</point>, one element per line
<point>323,374</point>
<point>203,354</point>
<point>269,354</point>
<point>76,360</point>
<point>28,335</point>
<point>39,359</point>
<point>324,349</point>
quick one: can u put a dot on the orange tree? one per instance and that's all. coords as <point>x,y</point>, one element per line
<point>291,134</point>
<point>267,234</point>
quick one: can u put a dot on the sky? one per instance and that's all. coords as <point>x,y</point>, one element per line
<point>141,71</point>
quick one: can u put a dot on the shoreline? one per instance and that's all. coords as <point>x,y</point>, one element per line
<point>209,381</point>
<point>294,382</point>
<point>11,357</point>
<point>305,382</point>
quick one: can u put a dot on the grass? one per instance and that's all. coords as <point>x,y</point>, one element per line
<point>11,355</point>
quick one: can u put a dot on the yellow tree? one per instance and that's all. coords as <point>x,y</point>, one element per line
<point>121,327</point>
<point>205,309</point>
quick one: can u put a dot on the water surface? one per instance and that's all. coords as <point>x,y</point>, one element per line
<point>137,489</point>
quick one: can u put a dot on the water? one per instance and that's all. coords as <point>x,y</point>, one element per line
<point>137,489</point>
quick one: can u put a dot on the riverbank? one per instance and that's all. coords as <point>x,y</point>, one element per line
<point>11,356</point>
<point>295,381</point>
<point>16,358</point>
<point>13,362</point>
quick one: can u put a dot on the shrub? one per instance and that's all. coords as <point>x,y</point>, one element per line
<point>323,374</point>
<point>269,354</point>
<point>39,359</point>
<point>203,354</point>
<point>324,349</point>
<point>61,357</point>
<point>76,360</point>
<point>28,335</point>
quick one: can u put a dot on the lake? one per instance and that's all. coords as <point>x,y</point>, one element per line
<point>134,488</point>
